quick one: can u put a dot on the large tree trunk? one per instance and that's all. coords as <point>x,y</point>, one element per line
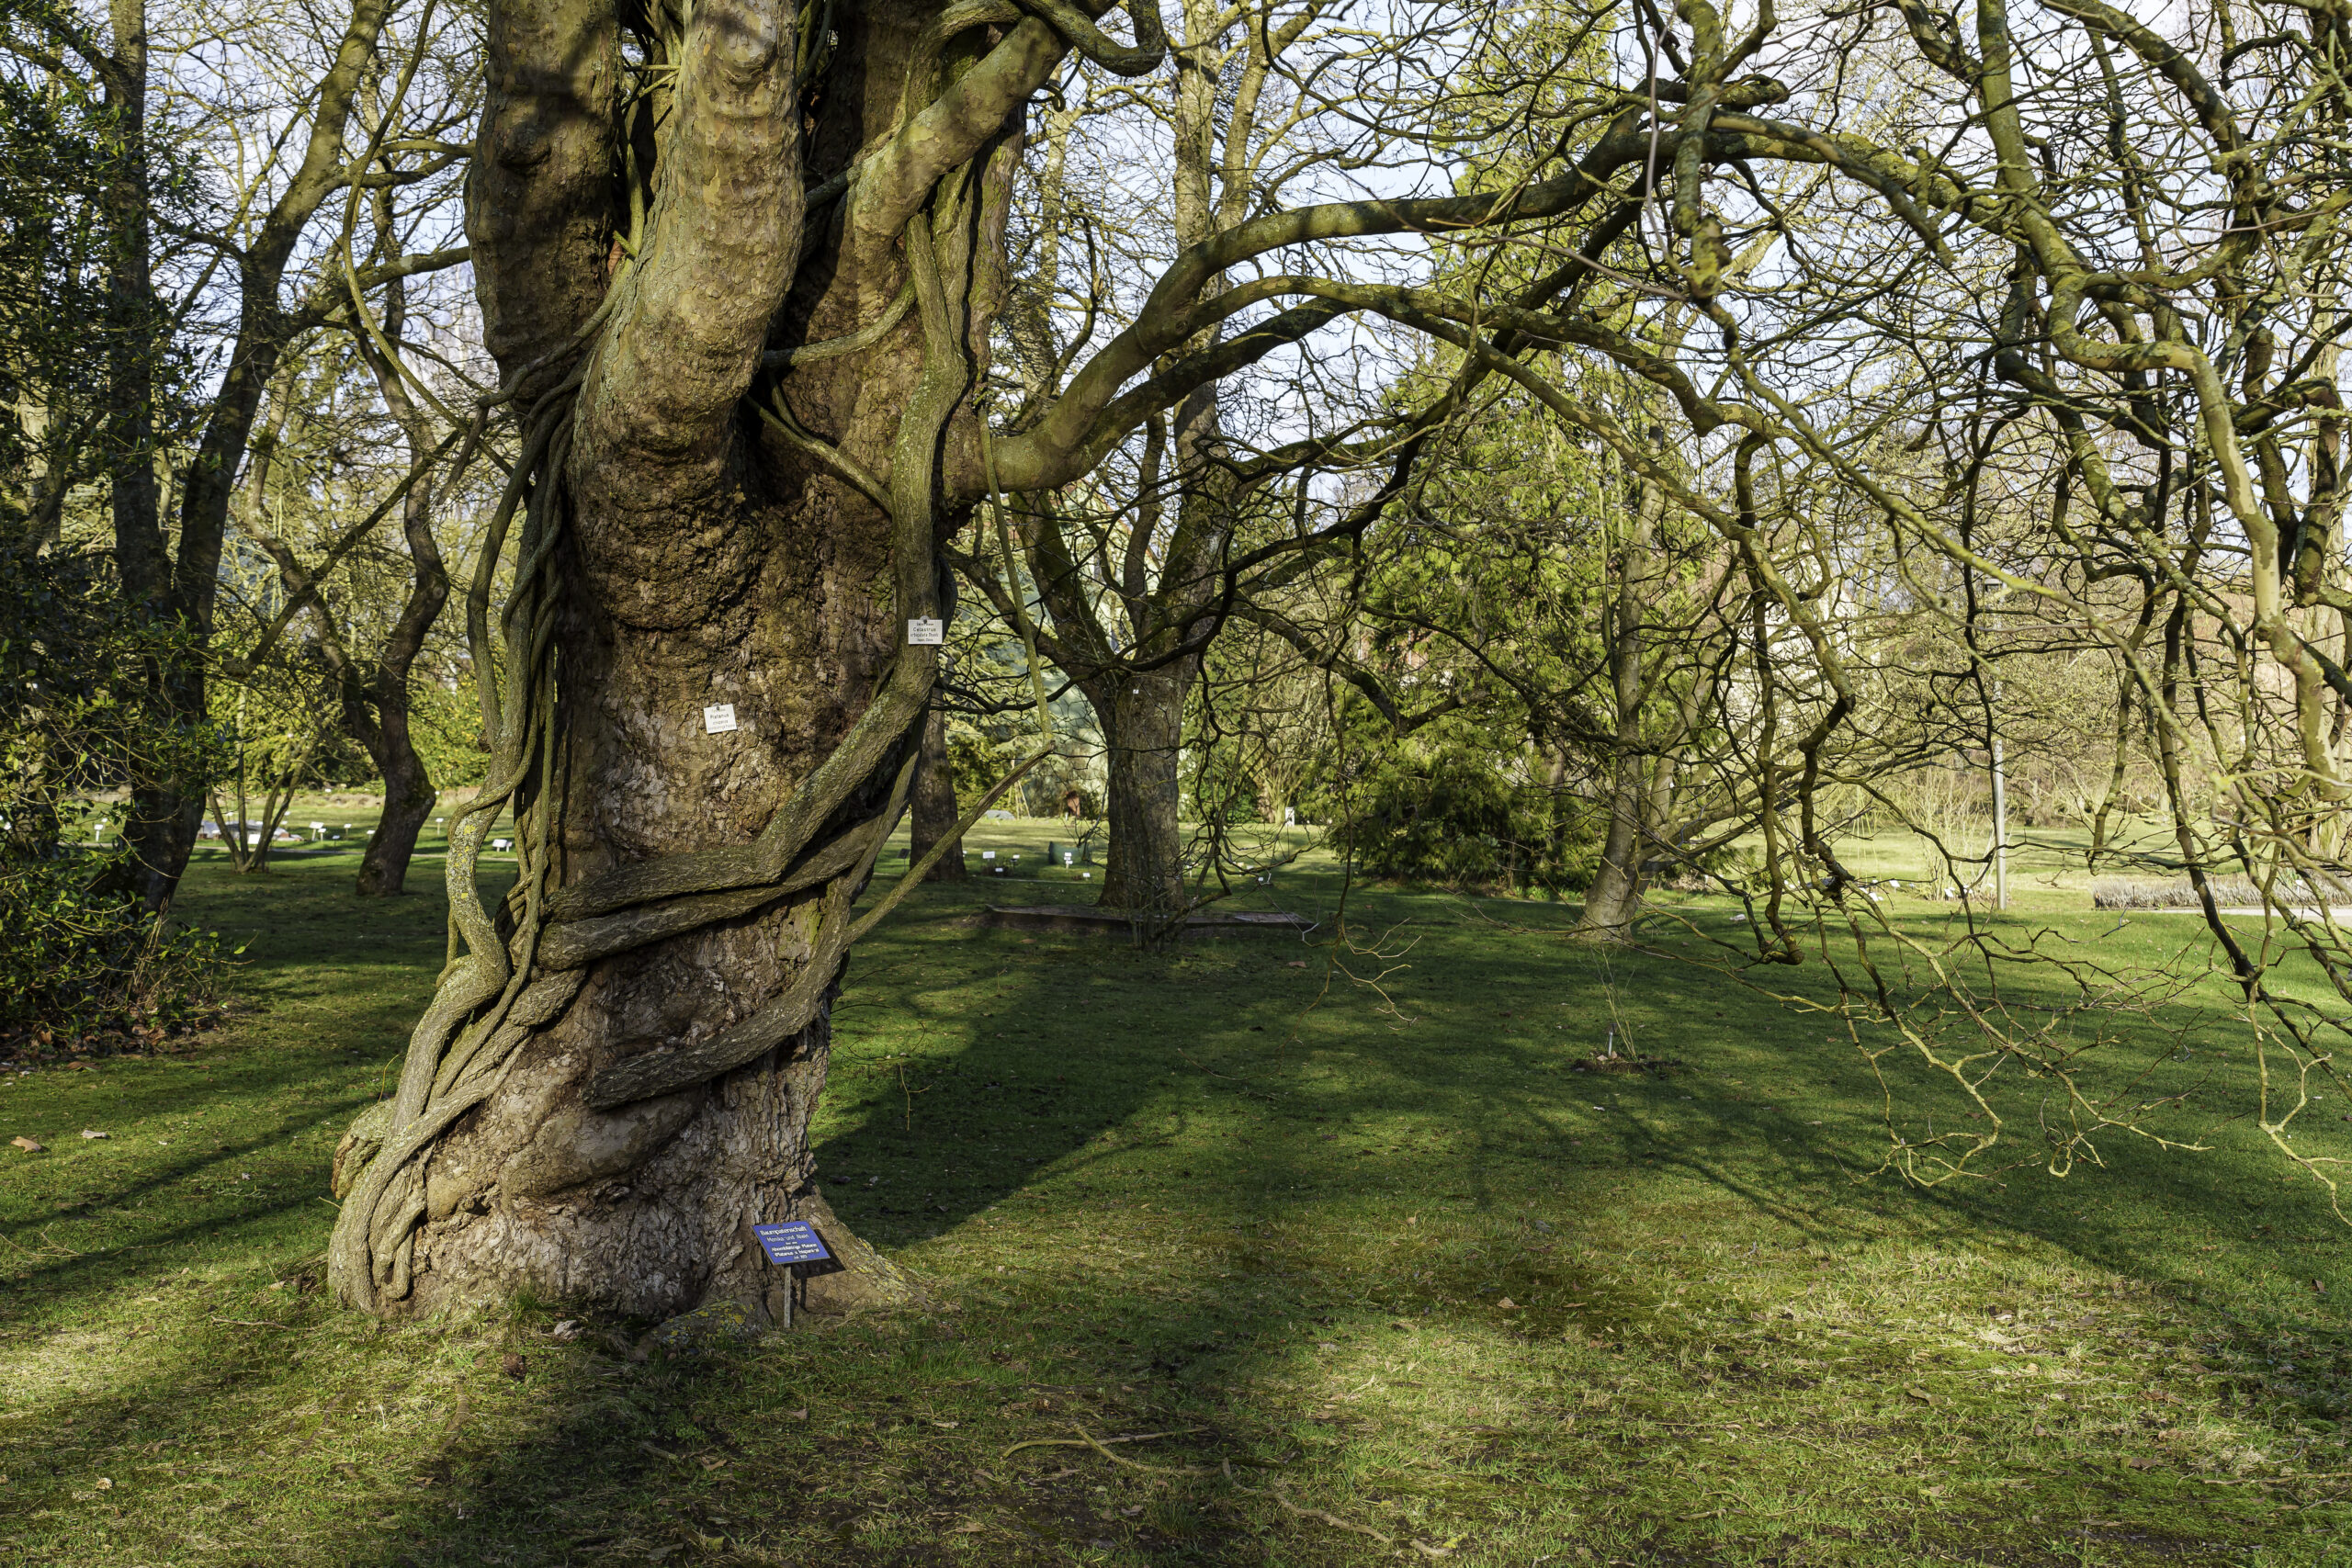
<point>1142,716</point>
<point>618,1082</point>
<point>933,814</point>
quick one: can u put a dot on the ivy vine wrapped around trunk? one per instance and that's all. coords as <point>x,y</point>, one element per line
<point>615,1081</point>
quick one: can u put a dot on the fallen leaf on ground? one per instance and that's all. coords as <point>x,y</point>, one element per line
<point>568,1329</point>
<point>88,1133</point>
<point>1507,1301</point>
<point>513,1365</point>
<point>27,1145</point>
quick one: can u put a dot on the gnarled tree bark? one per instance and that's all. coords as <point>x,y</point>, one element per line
<point>721,509</point>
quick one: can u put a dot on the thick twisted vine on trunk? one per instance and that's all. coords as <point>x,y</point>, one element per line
<point>614,1077</point>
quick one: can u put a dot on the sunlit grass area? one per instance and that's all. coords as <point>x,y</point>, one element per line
<point>1361,1274</point>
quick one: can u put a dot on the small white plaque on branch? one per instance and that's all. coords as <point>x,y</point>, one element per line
<point>923,632</point>
<point>718,718</point>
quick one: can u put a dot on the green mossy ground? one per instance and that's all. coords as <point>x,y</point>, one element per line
<point>1231,1195</point>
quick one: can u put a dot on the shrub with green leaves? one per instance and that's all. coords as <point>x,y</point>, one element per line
<point>81,957</point>
<point>81,962</point>
<point>1450,803</point>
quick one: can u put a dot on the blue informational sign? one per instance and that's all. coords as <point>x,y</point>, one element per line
<point>795,1241</point>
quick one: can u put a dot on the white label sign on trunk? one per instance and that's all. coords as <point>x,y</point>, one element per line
<point>922,632</point>
<point>718,718</point>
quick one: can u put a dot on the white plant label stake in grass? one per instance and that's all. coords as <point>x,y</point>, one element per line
<point>923,632</point>
<point>718,718</point>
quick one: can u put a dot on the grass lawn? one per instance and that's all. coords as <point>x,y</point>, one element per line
<point>1389,1280</point>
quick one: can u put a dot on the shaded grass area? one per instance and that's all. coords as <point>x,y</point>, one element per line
<point>1377,1260</point>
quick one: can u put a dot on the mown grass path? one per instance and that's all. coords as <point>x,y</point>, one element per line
<point>1402,1286</point>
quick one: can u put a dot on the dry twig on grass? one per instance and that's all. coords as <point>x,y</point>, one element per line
<point>1084,1441</point>
<point>1336,1522</point>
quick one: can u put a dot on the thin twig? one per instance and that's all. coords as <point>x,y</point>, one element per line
<point>1133,1464</point>
<point>1090,1442</point>
<point>1332,1519</point>
<point>2275,1480</point>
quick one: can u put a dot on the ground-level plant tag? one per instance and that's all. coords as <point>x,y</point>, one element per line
<point>718,718</point>
<point>922,632</point>
<point>795,1241</point>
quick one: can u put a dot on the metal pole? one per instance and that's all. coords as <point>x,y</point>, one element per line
<point>2000,821</point>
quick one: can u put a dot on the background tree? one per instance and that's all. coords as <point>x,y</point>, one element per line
<point>370,639</point>
<point>1137,566</point>
<point>2029,284</point>
<point>251,237</point>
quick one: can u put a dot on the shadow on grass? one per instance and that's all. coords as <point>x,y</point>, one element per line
<point>1165,1195</point>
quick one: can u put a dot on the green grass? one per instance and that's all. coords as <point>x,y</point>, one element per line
<point>1231,1194</point>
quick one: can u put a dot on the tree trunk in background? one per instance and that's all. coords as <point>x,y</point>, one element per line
<point>372,690</point>
<point>163,809</point>
<point>408,796</point>
<point>376,707</point>
<point>1183,508</point>
<point>1143,728</point>
<point>1615,895</point>
<point>933,814</point>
